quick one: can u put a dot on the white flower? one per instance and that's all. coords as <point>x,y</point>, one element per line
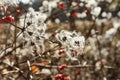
<point>77,42</point>
<point>35,28</point>
<point>109,15</point>
<point>81,15</point>
<point>118,13</point>
<point>118,44</point>
<point>110,33</point>
<point>46,71</point>
<point>91,2</point>
<point>68,14</point>
<point>57,21</point>
<point>45,3</point>
<point>53,4</point>
<point>31,9</point>
<point>96,11</point>
<point>116,23</point>
<point>74,3</point>
<point>81,4</point>
<point>104,14</point>
<point>63,37</point>
<point>42,17</point>
<point>71,41</point>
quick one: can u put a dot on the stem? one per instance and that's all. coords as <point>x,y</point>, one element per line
<point>69,66</point>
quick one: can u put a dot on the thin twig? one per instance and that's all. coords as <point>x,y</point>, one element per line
<point>69,66</point>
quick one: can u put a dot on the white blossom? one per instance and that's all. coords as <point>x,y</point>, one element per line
<point>71,41</point>
<point>96,11</point>
<point>68,14</point>
<point>81,4</point>
<point>104,14</point>
<point>74,3</point>
<point>45,3</point>
<point>82,15</point>
<point>46,71</point>
<point>110,33</point>
<point>77,42</point>
<point>57,21</point>
<point>109,15</point>
<point>91,3</point>
<point>116,24</point>
<point>34,28</point>
<point>118,13</point>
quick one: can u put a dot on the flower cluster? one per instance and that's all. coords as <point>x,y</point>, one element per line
<point>34,28</point>
<point>72,41</point>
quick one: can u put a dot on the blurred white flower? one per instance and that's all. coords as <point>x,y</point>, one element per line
<point>93,31</point>
<point>57,21</point>
<point>116,23</point>
<point>118,13</point>
<point>104,14</point>
<point>42,17</point>
<point>46,71</point>
<point>96,11</point>
<point>45,3</point>
<point>104,78</point>
<point>118,44</point>
<point>74,3</point>
<point>68,14</point>
<point>109,15</point>
<point>110,33</point>
<point>81,15</point>
<point>53,4</point>
<point>81,4</point>
<point>48,6</point>
<point>105,52</point>
<point>91,2</point>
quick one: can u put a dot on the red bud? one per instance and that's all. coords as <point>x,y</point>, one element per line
<point>61,67</point>
<point>61,5</point>
<point>59,76</point>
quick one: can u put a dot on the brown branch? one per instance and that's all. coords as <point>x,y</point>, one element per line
<point>69,66</point>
